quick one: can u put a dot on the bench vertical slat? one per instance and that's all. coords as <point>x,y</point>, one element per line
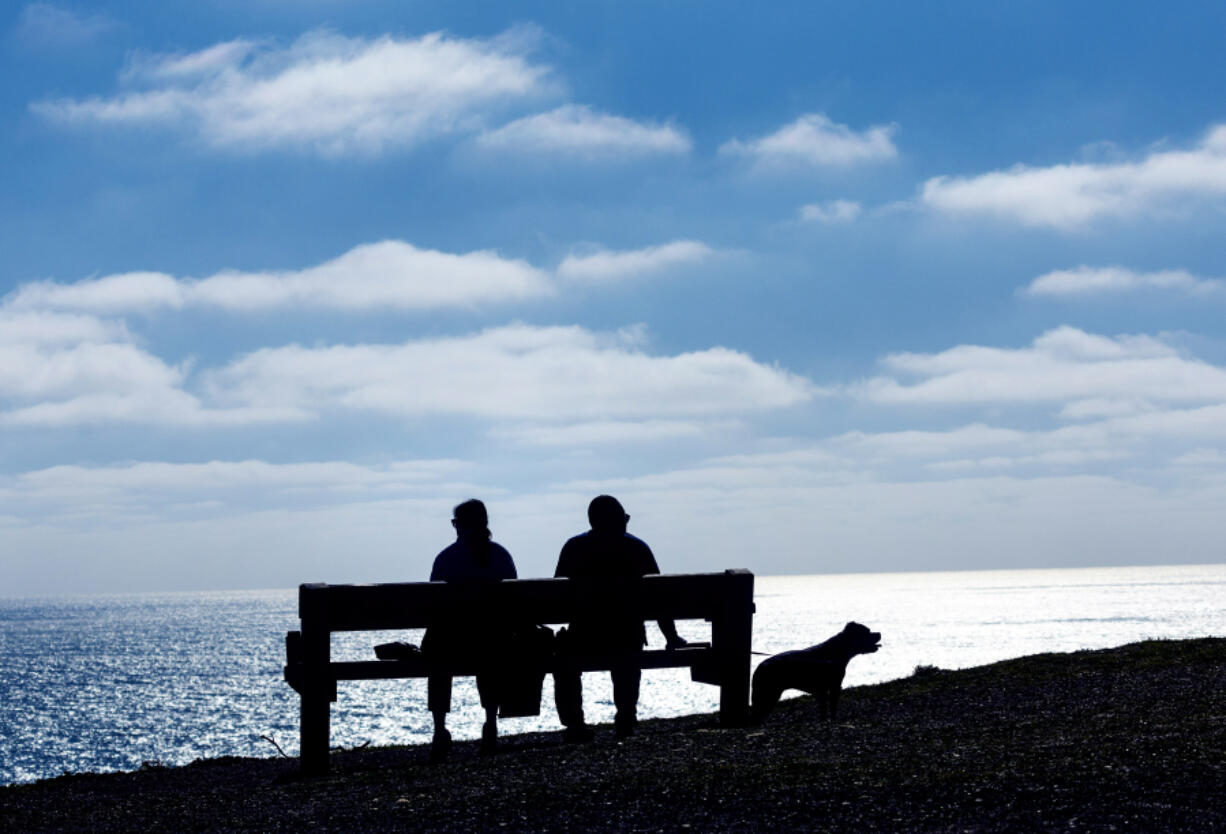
<point>317,685</point>
<point>732,638</point>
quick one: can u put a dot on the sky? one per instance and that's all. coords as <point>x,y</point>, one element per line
<point>810,287</point>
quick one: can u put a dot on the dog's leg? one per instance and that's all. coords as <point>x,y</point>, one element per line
<point>822,694</point>
<point>766,693</point>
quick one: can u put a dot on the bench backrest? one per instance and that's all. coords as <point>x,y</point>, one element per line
<point>419,604</point>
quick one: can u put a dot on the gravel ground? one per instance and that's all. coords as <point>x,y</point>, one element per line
<point>1128,739</point>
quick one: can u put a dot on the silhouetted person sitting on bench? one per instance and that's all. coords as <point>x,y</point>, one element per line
<point>466,634</point>
<point>606,551</point>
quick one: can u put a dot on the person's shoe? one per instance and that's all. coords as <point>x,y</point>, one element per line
<point>489,739</point>
<point>440,746</point>
<point>578,734</point>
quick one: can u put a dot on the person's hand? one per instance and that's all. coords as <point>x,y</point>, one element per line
<point>674,642</point>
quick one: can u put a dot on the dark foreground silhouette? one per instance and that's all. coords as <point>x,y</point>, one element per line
<point>605,552</point>
<point>1129,738</point>
<point>473,557</point>
<point>817,670</point>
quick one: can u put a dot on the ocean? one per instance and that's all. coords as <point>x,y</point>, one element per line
<point>107,683</point>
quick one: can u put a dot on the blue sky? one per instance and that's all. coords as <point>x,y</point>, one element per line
<point>824,288</point>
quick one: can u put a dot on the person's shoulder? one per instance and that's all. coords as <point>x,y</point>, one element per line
<point>645,559</point>
<point>503,557</point>
<point>447,554</point>
<point>571,555</point>
<point>448,551</point>
<point>443,562</point>
<point>578,542</point>
<point>637,543</point>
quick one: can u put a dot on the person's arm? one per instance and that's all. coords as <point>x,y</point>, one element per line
<point>672,640</point>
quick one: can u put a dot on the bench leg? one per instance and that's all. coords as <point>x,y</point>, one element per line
<point>732,637</point>
<point>315,730</point>
<point>734,676</point>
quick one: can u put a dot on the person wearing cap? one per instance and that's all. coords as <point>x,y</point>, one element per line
<point>606,551</point>
<point>464,634</point>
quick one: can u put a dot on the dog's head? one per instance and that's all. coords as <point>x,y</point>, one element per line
<point>859,640</point>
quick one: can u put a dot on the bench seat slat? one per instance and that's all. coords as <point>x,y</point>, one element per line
<point>419,667</point>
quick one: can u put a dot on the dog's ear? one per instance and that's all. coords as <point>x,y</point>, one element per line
<point>851,626</point>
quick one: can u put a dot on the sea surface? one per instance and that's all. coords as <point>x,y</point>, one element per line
<point>105,683</point>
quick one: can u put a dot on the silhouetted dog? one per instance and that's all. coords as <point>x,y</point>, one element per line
<point>817,670</point>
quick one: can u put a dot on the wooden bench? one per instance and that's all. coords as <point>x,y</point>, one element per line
<point>725,599</point>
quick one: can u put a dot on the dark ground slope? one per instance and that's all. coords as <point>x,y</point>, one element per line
<point>1128,739</point>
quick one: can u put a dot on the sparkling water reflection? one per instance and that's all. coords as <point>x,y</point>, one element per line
<point>107,683</point>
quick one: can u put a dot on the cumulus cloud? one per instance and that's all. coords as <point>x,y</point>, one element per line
<point>815,140</point>
<point>1071,196</point>
<point>518,371</point>
<point>580,131</point>
<point>558,375</point>
<point>1087,281</point>
<point>60,370</point>
<point>834,211</point>
<point>1064,364</point>
<point>387,275</point>
<point>39,328</point>
<point>390,274</point>
<point>603,265</point>
<point>325,93</point>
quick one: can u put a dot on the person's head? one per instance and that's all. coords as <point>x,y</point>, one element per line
<point>470,519</point>
<point>606,515</point>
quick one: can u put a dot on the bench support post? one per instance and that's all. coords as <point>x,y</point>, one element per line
<point>732,638</point>
<point>317,692</point>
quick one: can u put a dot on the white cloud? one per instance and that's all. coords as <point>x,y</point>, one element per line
<point>601,432</point>
<point>1061,365</point>
<point>1207,458</point>
<point>523,372</point>
<point>1087,280</point>
<point>580,131</point>
<point>45,24</point>
<point>375,276</point>
<point>165,480</point>
<point>60,370</point>
<point>34,328</point>
<point>815,140</point>
<point>324,92</point>
<point>1069,197</point>
<point>1098,407</point>
<point>834,211</point>
<point>917,443</point>
<point>603,265</point>
<point>1056,459</point>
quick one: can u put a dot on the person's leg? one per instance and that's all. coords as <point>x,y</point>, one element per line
<point>438,700</point>
<point>568,696</point>
<point>487,688</point>
<point>626,677</point>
